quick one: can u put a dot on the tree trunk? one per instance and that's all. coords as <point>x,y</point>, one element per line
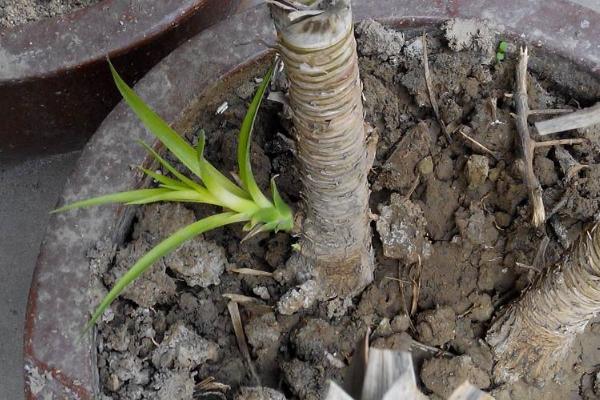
<point>533,335</point>
<point>320,60</point>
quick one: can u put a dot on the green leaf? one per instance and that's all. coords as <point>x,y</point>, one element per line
<point>218,178</point>
<point>502,47</point>
<point>157,126</point>
<point>121,197</point>
<point>214,182</point>
<point>165,180</point>
<point>171,168</point>
<point>258,229</point>
<point>162,249</point>
<point>244,142</point>
<point>264,215</point>
<point>286,221</point>
<point>277,200</point>
<point>189,195</point>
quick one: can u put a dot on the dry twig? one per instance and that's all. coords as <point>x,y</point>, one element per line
<point>240,298</point>
<point>429,83</point>
<point>240,336</point>
<point>210,384</point>
<point>568,164</point>
<point>252,272</point>
<point>430,349</point>
<point>416,288</point>
<point>475,142</point>
<point>401,283</point>
<point>528,145</point>
<point>529,267</point>
<point>575,120</point>
<point>551,111</point>
<point>412,189</point>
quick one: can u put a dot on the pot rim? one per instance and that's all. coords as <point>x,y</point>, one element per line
<point>68,368</point>
<point>48,47</point>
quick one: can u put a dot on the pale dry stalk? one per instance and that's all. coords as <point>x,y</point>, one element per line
<point>527,145</point>
<point>532,336</point>
<point>320,59</point>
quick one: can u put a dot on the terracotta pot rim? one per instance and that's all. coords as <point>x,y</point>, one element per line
<point>47,47</point>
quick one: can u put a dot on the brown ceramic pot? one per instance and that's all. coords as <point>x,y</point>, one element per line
<point>56,363</point>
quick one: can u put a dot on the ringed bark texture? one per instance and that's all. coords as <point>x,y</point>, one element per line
<point>533,336</point>
<point>320,60</point>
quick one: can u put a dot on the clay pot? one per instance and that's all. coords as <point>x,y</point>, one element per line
<point>55,88</point>
<point>214,61</point>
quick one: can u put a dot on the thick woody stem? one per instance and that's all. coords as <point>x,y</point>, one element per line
<point>319,54</point>
<point>533,335</point>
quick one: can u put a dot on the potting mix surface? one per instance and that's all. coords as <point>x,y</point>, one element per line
<point>452,235</point>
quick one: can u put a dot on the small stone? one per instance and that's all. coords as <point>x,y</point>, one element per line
<point>301,297</point>
<point>414,49</point>
<point>425,166</point>
<point>437,327</point>
<point>184,348</point>
<point>199,262</point>
<point>113,383</point>
<point>402,228</point>
<point>477,170</point>
<point>383,329</point>
<point>400,323</point>
<point>262,292</point>
<point>338,307</point>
